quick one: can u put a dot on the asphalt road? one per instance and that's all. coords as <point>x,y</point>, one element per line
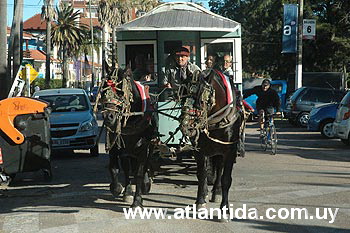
<point>308,172</point>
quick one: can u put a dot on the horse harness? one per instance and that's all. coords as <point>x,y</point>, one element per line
<point>199,102</point>
<point>118,97</point>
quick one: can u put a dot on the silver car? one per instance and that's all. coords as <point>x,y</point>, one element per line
<point>73,123</point>
<point>341,125</point>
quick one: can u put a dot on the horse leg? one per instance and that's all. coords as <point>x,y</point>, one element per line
<point>216,191</point>
<point>146,184</point>
<point>139,179</point>
<point>202,180</point>
<point>211,171</point>
<point>226,178</point>
<point>115,187</point>
<point>125,162</point>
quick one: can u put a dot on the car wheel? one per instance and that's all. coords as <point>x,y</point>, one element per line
<point>94,151</point>
<point>327,128</point>
<point>303,119</point>
<point>346,141</point>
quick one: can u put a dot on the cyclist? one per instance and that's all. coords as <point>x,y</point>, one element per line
<point>267,101</point>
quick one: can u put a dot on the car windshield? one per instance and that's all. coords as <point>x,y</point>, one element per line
<point>296,94</point>
<point>277,87</point>
<point>66,103</point>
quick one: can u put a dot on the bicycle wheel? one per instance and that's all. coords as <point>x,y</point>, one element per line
<point>273,139</point>
<point>263,139</point>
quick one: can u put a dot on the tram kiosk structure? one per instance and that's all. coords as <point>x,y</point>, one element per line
<point>146,44</point>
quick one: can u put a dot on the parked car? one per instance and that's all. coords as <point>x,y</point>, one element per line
<point>341,125</point>
<point>280,86</point>
<point>321,119</point>
<point>72,121</point>
<point>300,103</point>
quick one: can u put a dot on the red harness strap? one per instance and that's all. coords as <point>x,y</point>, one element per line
<point>226,81</point>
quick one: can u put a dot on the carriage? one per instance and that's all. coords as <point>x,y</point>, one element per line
<point>147,43</point>
<point>206,114</point>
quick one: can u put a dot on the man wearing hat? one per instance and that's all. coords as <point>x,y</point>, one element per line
<point>268,99</point>
<point>181,72</point>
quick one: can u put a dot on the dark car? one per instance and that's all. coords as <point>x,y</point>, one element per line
<point>300,103</point>
<point>321,119</point>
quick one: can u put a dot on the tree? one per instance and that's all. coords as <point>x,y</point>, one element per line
<point>3,42</point>
<point>68,34</point>
<point>48,14</point>
<point>104,16</point>
<point>262,22</point>
<point>17,36</point>
<point>87,47</point>
<point>118,12</point>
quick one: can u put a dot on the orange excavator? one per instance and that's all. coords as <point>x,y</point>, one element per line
<point>24,137</point>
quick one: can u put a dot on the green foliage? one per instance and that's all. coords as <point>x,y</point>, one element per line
<point>262,22</point>
<point>54,83</point>
<point>68,34</point>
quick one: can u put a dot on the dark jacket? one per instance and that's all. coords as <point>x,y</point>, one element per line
<point>266,99</point>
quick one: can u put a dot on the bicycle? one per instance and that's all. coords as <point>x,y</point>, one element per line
<point>268,135</point>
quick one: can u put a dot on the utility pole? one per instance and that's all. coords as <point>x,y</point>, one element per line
<point>17,32</point>
<point>299,55</point>
<point>92,49</point>
<point>3,42</point>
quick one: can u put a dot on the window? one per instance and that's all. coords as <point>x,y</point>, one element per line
<point>66,103</point>
<point>222,53</point>
<point>140,58</point>
<point>277,87</point>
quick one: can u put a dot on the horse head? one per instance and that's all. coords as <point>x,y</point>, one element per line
<point>208,102</point>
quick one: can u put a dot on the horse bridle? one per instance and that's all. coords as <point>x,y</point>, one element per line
<point>194,117</point>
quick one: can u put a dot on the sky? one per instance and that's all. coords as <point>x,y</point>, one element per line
<point>32,7</point>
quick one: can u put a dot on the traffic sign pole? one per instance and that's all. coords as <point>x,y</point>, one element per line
<point>299,57</point>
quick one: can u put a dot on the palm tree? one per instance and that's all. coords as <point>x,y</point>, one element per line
<point>146,5</point>
<point>68,34</point>
<point>117,12</point>
<point>104,15</point>
<point>87,46</point>
<point>3,42</point>
<point>48,14</point>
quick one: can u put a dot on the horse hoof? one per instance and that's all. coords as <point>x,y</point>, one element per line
<point>116,190</point>
<point>200,206</point>
<point>215,198</point>
<point>128,199</point>
<point>134,206</point>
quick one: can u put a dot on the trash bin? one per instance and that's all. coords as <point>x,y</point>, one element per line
<point>24,137</point>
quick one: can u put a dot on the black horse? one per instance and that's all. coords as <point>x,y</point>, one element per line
<point>211,120</point>
<point>129,133</point>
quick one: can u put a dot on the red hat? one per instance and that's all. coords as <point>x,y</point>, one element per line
<point>183,51</point>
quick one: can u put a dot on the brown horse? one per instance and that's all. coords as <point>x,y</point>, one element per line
<point>212,122</point>
<point>129,136</point>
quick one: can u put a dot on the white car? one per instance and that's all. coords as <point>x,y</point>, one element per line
<point>341,124</point>
<point>72,121</point>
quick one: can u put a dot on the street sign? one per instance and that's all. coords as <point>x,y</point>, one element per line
<point>33,73</point>
<point>309,29</point>
<point>18,85</point>
<point>290,28</point>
